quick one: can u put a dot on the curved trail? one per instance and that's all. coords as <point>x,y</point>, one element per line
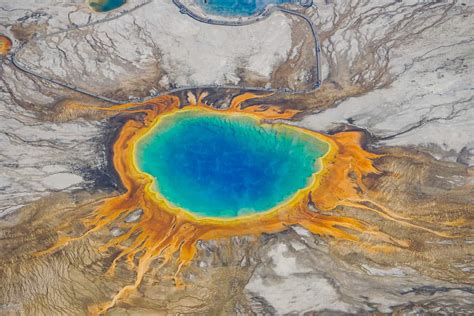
<point>25,69</point>
<point>183,9</point>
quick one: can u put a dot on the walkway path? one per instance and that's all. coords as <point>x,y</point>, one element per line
<point>183,9</point>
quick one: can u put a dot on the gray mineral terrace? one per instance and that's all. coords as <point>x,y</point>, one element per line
<point>24,64</point>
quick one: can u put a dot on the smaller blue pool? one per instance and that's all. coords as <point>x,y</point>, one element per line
<point>237,7</point>
<point>105,5</point>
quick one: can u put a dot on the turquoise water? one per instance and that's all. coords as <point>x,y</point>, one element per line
<point>105,5</point>
<point>216,165</point>
<point>237,7</point>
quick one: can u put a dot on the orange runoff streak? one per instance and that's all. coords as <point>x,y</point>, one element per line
<point>5,45</point>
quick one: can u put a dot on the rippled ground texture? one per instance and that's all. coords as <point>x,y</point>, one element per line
<point>217,165</point>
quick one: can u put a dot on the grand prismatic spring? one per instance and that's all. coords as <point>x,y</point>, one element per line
<point>218,165</point>
<point>328,170</point>
<point>5,45</point>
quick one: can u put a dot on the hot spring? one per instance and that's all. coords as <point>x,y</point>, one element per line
<point>226,165</point>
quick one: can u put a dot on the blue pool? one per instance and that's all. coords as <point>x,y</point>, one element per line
<point>105,5</point>
<point>237,7</point>
<point>216,165</point>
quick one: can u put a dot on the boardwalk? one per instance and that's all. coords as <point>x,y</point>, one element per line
<point>184,10</point>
